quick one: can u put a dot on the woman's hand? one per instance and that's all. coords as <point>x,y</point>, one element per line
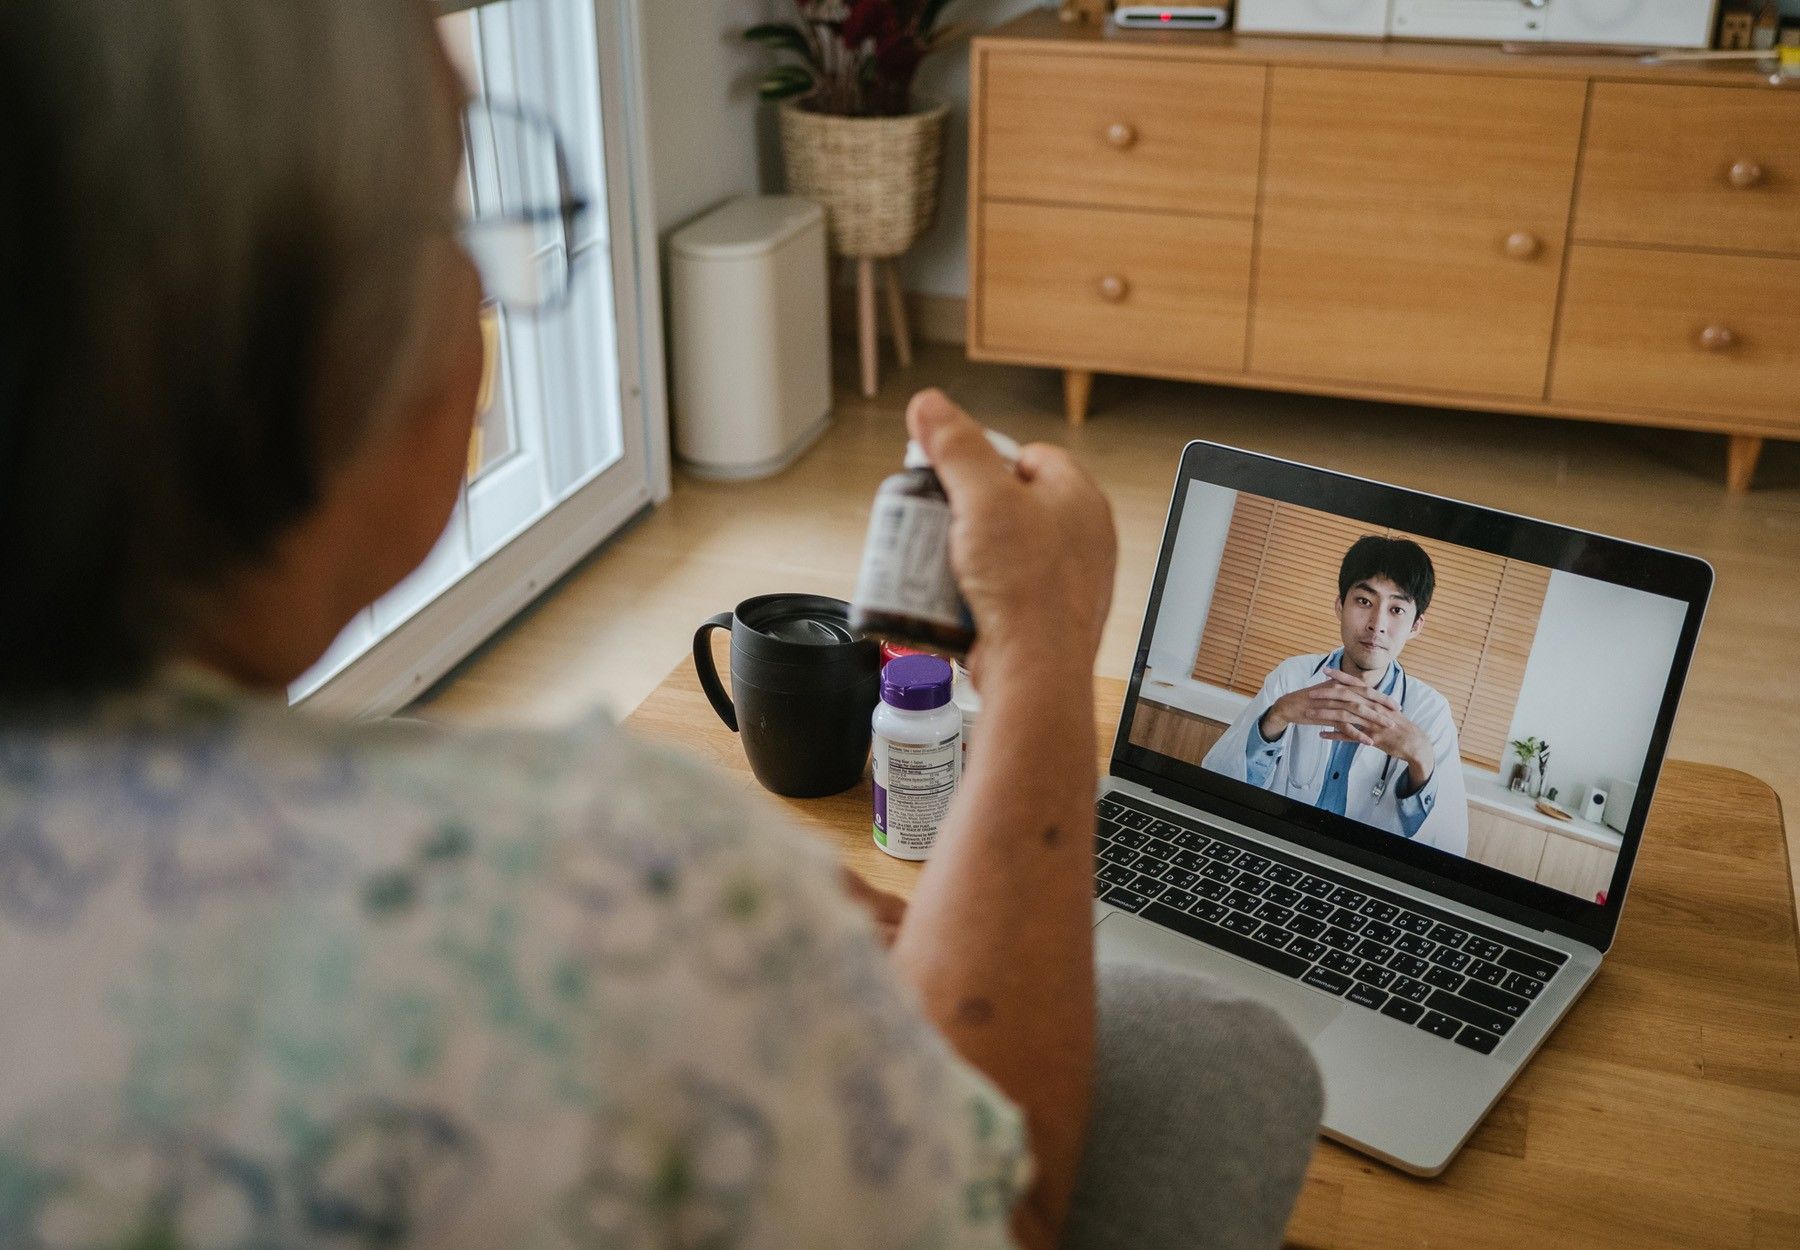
<point>1033,549</point>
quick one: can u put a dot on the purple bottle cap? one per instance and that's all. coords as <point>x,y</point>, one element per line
<point>917,683</point>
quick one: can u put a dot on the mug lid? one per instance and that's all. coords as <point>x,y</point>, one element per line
<point>916,683</point>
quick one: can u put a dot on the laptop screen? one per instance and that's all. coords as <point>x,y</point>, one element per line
<point>1480,697</point>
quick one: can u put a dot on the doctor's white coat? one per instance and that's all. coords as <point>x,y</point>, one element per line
<point>1300,772</point>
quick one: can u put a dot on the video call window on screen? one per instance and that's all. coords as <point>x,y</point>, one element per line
<point>1433,692</point>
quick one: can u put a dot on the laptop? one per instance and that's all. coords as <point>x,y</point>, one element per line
<point>1384,764</point>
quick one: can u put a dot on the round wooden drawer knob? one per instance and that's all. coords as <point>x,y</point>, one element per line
<point>1523,245</point>
<point>1716,338</point>
<point>1745,174</point>
<point>1113,288</point>
<point>1121,135</point>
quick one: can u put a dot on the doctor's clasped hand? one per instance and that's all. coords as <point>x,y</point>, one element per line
<point>1347,709</point>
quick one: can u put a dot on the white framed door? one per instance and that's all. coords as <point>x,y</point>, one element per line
<point>572,441</point>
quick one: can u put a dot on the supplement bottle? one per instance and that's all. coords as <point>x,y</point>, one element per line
<point>918,754</point>
<point>906,592</point>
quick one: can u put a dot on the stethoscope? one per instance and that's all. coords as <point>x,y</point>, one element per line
<point>1381,783</point>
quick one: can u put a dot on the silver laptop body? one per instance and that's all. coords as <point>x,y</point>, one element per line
<point>1404,1095</point>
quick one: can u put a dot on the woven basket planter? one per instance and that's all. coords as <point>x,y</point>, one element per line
<point>877,177</point>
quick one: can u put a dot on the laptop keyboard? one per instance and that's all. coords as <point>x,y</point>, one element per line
<point>1456,980</point>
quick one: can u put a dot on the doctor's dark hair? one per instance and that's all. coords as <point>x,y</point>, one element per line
<point>1400,560</point>
<point>217,275</point>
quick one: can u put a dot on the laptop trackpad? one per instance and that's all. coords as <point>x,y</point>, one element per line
<point>1125,938</point>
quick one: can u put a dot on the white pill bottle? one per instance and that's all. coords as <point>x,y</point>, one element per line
<point>918,754</point>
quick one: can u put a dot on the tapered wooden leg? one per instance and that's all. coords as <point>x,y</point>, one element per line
<point>865,324</point>
<point>1078,384</point>
<point>1740,462</point>
<point>896,302</point>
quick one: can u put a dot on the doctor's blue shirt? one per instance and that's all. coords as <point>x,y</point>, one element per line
<point>1261,757</point>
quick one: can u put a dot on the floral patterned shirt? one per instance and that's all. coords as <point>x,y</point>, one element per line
<point>273,982</point>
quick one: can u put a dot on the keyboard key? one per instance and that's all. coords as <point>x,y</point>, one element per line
<point>1188,840</point>
<point>1210,889</point>
<point>1373,951</point>
<point>1178,899</point>
<point>1226,940</point>
<point>1253,885</point>
<point>1242,901</point>
<point>1206,909</point>
<point>1281,874</point>
<point>1285,896</point>
<point>1344,918</point>
<point>1379,977</point>
<point>1444,979</point>
<point>1219,851</point>
<point>1338,939</point>
<point>1306,926</point>
<point>1379,932</point>
<point>1315,907</point>
<point>1215,871</point>
<point>1446,935</point>
<point>1440,1025</point>
<point>1338,961</point>
<point>1475,1039</point>
<point>1134,838</point>
<point>1157,847</point>
<point>1523,986</point>
<point>1162,829</point>
<point>1307,949</point>
<point>1411,990</point>
<point>1124,899</point>
<point>1131,818</point>
<point>1118,854</point>
<point>1180,878</point>
<point>1366,996</point>
<point>1488,974</point>
<point>1146,885</point>
<point>1469,1012</point>
<point>1318,887</point>
<point>1444,957</point>
<point>1109,808</point>
<point>1274,935</point>
<point>1481,948</point>
<point>1238,922</point>
<point>1113,874</point>
<point>1344,896</point>
<point>1327,980</point>
<point>1408,965</point>
<point>1189,860</point>
<point>1532,966</point>
<point>1273,914</point>
<point>1376,909</point>
<point>1413,922</point>
<point>1499,1000</point>
<point>1252,863</point>
<point>1402,1010</point>
<point>1413,944</point>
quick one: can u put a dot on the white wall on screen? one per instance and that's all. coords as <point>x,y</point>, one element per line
<point>1193,572</point>
<point>1593,684</point>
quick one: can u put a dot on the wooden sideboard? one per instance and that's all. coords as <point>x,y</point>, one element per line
<point>1564,236</point>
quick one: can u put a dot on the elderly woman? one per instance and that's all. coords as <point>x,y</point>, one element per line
<point>274,982</point>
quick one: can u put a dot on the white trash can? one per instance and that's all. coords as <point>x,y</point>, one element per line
<point>751,338</point>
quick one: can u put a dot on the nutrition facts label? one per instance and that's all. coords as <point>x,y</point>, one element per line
<point>913,785</point>
<point>904,571</point>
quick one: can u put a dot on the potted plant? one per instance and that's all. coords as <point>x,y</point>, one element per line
<point>852,136</point>
<point>1525,752</point>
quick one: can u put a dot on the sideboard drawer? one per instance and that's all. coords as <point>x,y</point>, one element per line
<point>1114,290</point>
<point>1692,167</point>
<point>1682,331</point>
<point>1120,132</point>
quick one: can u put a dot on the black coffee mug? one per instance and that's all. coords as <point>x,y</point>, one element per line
<point>805,689</point>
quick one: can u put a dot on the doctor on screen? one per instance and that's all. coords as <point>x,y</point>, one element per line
<point>1351,731</point>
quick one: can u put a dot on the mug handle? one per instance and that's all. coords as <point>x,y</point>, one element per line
<point>709,672</point>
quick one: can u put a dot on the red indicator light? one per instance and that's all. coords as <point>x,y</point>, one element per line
<point>1166,17</point>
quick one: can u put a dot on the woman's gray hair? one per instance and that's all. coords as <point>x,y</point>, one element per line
<point>216,221</point>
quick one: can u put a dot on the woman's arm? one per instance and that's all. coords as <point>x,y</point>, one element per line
<point>998,938</point>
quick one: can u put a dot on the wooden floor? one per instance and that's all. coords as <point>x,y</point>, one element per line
<point>616,625</point>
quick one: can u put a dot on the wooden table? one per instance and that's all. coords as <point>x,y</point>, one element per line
<point>1664,1111</point>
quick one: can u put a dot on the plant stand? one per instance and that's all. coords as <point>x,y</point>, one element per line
<point>869,273</point>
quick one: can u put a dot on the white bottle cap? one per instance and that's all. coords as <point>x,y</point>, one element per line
<point>1008,449</point>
